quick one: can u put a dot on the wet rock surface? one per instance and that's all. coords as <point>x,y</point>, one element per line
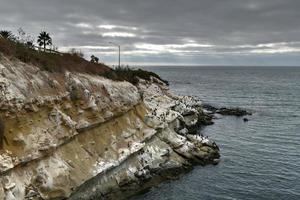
<point>238,112</point>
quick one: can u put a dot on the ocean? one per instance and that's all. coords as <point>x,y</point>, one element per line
<point>260,159</point>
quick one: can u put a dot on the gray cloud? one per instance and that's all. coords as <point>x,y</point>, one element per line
<point>248,32</point>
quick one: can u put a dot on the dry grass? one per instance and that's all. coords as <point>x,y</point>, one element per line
<point>50,61</point>
<point>71,61</point>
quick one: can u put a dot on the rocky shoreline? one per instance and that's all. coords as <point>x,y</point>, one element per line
<point>173,150</point>
<point>80,136</point>
<point>151,176</point>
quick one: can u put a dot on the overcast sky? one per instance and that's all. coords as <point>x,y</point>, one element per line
<point>175,32</point>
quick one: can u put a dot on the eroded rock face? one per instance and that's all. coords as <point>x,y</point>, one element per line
<point>80,136</point>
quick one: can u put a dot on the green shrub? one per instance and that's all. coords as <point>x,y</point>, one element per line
<point>72,61</point>
<point>131,75</point>
<point>53,62</point>
<point>75,52</point>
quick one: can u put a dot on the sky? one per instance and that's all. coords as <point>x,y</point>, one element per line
<point>166,32</point>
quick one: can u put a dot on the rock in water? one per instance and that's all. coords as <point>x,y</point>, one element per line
<point>226,111</point>
<point>233,112</point>
<point>245,119</point>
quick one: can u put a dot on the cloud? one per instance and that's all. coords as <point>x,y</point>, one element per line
<point>158,47</point>
<point>98,48</point>
<point>111,27</point>
<point>192,31</point>
<point>119,34</point>
<point>83,25</point>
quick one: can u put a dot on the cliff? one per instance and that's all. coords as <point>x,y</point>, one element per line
<point>80,136</point>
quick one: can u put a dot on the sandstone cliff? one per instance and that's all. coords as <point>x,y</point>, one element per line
<point>81,136</point>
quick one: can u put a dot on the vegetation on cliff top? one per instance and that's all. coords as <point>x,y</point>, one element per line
<point>50,61</point>
<point>54,61</point>
<point>131,75</point>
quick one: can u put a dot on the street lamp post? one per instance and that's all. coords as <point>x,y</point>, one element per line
<point>119,47</point>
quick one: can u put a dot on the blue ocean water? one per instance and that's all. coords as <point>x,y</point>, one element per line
<point>260,158</point>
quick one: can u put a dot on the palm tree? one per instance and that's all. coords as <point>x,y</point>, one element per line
<point>7,35</point>
<point>44,39</point>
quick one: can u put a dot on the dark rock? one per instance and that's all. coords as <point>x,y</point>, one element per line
<point>188,113</point>
<point>143,175</point>
<point>233,112</point>
<point>209,108</point>
<point>245,119</point>
<point>226,111</point>
<point>205,120</point>
<point>216,161</point>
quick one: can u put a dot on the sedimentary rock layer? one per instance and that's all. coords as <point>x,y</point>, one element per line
<point>80,136</point>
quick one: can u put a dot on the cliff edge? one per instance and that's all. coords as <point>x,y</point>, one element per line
<point>80,136</point>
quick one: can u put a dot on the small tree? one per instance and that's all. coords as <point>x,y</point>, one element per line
<point>30,44</point>
<point>22,35</point>
<point>7,35</point>
<point>75,52</point>
<point>94,59</point>
<point>25,38</point>
<point>44,40</point>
